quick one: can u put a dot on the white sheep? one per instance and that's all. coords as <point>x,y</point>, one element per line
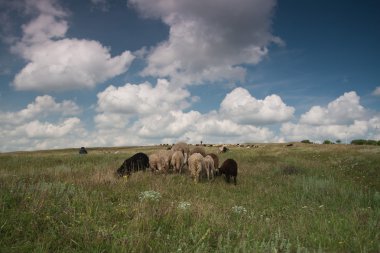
<point>198,149</point>
<point>184,148</point>
<point>209,166</point>
<point>153,162</point>
<point>165,157</point>
<point>178,161</point>
<point>196,166</point>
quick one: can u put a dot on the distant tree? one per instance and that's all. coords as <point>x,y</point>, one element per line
<point>338,141</point>
<point>371,142</point>
<point>327,142</point>
<point>359,142</point>
<point>306,141</point>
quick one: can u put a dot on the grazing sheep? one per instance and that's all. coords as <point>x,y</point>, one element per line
<point>229,168</point>
<point>165,157</point>
<point>153,162</point>
<point>139,161</point>
<point>209,166</point>
<point>177,161</point>
<point>198,149</point>
<point>183,147</point>
<point>223,149</point>
<point>82,151</point>
<point>216,160</point>
<point>196,166</point>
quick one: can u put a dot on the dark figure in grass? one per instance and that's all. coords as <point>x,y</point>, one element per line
<point>82,151</point>
<point>139,161</point>
<point>229,168</point>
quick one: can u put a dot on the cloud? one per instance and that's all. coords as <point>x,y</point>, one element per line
<point>376,92</point>
<point>44,123</point>
<point>117,106</point>
<point>208,40</point>
<point>140,114</point>
<point>43,130</point>
<point>143,98</point>
<point>344,110</point>
<point>298,132</point>
<point>58,63</point>
<point>102,5</point>
<point>240,106</point>
<point>42,107</point>
<point>343,118</point>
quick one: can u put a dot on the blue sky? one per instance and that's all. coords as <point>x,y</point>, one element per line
<point>141,72</point>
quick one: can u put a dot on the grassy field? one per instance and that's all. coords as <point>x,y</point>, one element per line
<point>304,198</point>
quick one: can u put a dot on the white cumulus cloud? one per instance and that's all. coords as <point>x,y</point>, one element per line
<point>240,106</point>
<point>44,123</point>
<point>343,110</point>
<point>376,92</point>
<point>208,40</point>
<point>343,118</point>
<point>145,114</point>
<point>58,63</point>
<point>42,106</point>
<point>143,98</point>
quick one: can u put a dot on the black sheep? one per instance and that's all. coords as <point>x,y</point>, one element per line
<point>82,151</point>
<point>229,168</point>
<point>139,161</point>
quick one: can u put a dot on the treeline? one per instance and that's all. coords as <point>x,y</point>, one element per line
<point>353,142</point>
<point>365,142</point>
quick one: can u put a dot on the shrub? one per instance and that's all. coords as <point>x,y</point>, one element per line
<point>364,142</point>
<point>306,141</point>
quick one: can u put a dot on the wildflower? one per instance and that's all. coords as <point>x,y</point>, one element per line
<point>239,209</point>
<point>183,205</point>
<point>149,195</point>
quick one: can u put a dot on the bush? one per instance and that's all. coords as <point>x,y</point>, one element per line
<point>306,141</point>
<point>327,142</point>
<point>365,142</point>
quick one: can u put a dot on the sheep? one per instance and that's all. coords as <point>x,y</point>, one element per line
<point>198,149</point>
<point>183,147</point>
<point>209,166</point>
<point>153,162</point>
<point>139,161</point>
<point>223,149</point>
<point>229,168</point>
<point>165,157</point>
<point>216,161</point>
<point>177,161</point>
<point>82,151</point>
<point>196,166</point>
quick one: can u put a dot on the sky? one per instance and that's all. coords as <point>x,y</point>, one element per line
<point>106,73</point>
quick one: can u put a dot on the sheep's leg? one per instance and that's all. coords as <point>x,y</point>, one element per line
<point>235,180</point>
<point>228,178</point>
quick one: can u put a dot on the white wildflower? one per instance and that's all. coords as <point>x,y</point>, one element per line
<point>149,195</point>
<point>239,209</point>
<point>183,205</point>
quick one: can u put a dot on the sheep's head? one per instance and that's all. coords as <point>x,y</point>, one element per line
<point>217,172</point>
<point>123,171</point>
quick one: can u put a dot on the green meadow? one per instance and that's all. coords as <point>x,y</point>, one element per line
<point>303,198</point>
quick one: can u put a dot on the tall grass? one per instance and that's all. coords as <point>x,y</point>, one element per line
<point>305,198</point>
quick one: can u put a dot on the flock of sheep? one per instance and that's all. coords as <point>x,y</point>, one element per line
<point>177,159</point>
